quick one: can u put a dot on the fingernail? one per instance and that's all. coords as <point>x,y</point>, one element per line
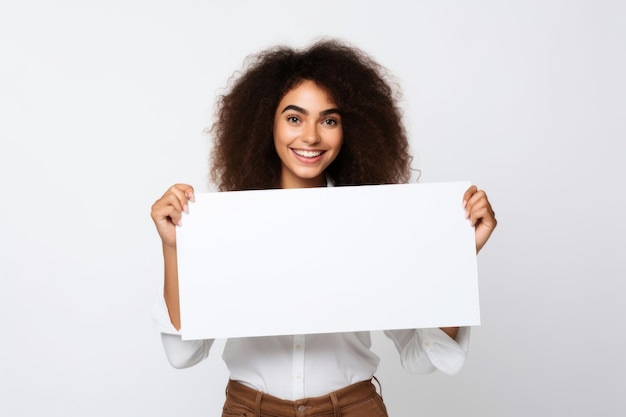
<point>180,222</point>
<point>464,203</point>
<point>186,209</point>
<point>467,216</point>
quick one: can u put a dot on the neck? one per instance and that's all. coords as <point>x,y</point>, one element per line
<point>292,182</point>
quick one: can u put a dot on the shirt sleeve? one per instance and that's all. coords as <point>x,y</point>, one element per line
<point>423,351</point>
<point>180,353</point>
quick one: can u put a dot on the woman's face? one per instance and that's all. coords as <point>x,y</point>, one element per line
<point>307,135</point>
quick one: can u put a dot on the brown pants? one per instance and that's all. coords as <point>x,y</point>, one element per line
<point>357,400</point>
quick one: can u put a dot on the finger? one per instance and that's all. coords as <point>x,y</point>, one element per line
<point>468,194</point>
<point>169,199</point>
<point>165,214</point>
<point>167,208</point>
<point>481,213</point>
<point>480,210</point>
<point>173,201</point>
<point>477,198</point>
<point>187,190</point>
<point>184,193</point>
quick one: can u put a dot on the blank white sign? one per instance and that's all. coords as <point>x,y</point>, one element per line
<point>322,260</point>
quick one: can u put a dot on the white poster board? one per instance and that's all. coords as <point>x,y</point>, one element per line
<point>322,260</point>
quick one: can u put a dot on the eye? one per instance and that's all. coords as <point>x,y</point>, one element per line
<point>293,119</point>
<point>330,122</point>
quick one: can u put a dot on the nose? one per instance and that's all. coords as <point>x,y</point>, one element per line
<point>310,134</point>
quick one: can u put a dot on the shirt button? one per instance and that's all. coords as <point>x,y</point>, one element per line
<point>301,409</point>
<point>427,343</point>
<point>298,346</point>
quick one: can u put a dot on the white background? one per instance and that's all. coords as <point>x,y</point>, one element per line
<point>103,104</point>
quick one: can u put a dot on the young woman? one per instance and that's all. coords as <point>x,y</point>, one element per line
<point>322,116</point>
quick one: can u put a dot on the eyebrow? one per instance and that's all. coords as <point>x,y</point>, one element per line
<point>306,112</point>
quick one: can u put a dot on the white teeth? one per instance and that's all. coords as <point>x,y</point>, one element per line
<point>307,154</point>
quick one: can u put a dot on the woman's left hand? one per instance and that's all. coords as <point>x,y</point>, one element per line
<point>478,210</point>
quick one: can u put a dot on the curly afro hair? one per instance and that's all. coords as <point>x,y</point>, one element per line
<point>375,148</point>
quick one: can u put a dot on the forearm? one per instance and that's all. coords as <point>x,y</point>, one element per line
<point>170,288</point>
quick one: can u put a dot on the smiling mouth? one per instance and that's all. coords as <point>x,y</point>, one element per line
<point>307,154</point>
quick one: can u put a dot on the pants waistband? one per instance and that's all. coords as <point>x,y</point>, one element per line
<point>326,404</point>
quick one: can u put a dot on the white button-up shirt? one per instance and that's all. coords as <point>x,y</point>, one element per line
<point>300,366</point>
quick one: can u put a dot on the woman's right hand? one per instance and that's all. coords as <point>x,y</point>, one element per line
<point>167,211</point>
